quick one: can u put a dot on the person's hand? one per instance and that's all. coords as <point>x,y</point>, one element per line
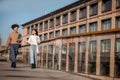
<point>19,40</point>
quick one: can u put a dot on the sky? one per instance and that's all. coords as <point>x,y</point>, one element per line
<point>22,11</point>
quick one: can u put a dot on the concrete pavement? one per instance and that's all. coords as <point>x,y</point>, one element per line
<point>23,72</point>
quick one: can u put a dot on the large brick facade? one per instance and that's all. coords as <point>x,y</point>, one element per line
<point>83,37</point>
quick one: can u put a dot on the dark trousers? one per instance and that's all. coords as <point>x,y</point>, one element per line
<point>14,51</point>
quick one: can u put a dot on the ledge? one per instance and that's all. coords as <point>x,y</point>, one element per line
<point>82,34</point>
<point>85,34</point>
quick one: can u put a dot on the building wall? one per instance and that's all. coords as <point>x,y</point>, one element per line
<point>62,52</point>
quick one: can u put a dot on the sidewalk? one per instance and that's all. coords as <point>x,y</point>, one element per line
<point>23,72</point>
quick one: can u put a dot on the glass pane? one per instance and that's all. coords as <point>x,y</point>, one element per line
<point>51,23</point>
<point>50,56</point>
<point>81,57</point>
<point>58,21</point>
<point>44,56</point>
<point>82,28</point>
<point>46,25</point>
<point>73,16</point>
<point>93,27</point>
<point>36,26</point>
<point>118,22</point>
<point>57,33</point>
<point>117,58</point>
<point>92,58</point>
<point>28,30</point>
<point>73,30</point>
<point>41,26</point>
<point>56,58</point>
<point>105,58</point>
<point>65,18</point>
<point>51,35</point>
<point>106,24</point>
<point>94,9</point>
<point>64,32</point>
<point>118,3</point>
<point>106,5</point>
<point>45,36</point>
<point>63,57</point>
<point>83,13</point>
<point>71,56</point>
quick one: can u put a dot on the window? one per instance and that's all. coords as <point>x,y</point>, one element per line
<point>105,46</point>
<point>82,28</point>
<point>94,9</point>
<point>51,35</point>
<point>106,5</point>
<point>41,27</point>
<point>73,30</point>
<point>73,16</point>
<point>92,58</point>
<point>118,45</point>
<point>117,22</point>
<point>45,36</point>
<point>63,56</point>
<point>64,32</point>
<point>56,57</point>
<point>51,23</point>
<point>65,19</point>
<point>46,25</point>
<point>117,3</point>
<point>83,13</point>
<point>81,56</point>
<point>44,56</point>
<point>28,30</point>
<point>93,27</point>
<point>117,58</point>
<point>36,27</point>
<point>57,34</point>
<point>50,56</point>
<point>40,36</point>
<point>58,21</point>
<point>105,57</point>
<point>32,27</point>
<point>106,24</point>
<point>71,56</point>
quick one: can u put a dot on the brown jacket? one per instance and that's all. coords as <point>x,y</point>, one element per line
<point>12,39</point>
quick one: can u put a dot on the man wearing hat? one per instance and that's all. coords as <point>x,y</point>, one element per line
<point>13,42</point>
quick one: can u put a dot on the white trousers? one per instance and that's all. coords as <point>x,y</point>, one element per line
<point>33,54</point>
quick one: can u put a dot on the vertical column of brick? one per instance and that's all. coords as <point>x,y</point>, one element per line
<point>87,21</point>
<point>61,16</point>
<point>67,58</point>
<point>68,17</point>
<point>86,55</point>
<point>42,56</point>
<point>98,56</point>
<point>53,56</point>
<point>47,57</point>
<point>38,27</point>
<point>77,15</point>
<point>99,14</point>
<point>76,56</point>
<point>112,56</point>
<point>59,55</point>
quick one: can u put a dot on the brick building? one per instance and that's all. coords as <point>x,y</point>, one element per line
<point>83,37</point>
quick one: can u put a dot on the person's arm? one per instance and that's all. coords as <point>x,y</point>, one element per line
<point>29,40</point>
<point>8,42</point>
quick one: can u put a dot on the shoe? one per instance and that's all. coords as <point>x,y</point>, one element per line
<point>13,65</point>
<point>33,66</point>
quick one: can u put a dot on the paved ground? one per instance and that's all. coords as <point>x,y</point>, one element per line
<point>23,72</point>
